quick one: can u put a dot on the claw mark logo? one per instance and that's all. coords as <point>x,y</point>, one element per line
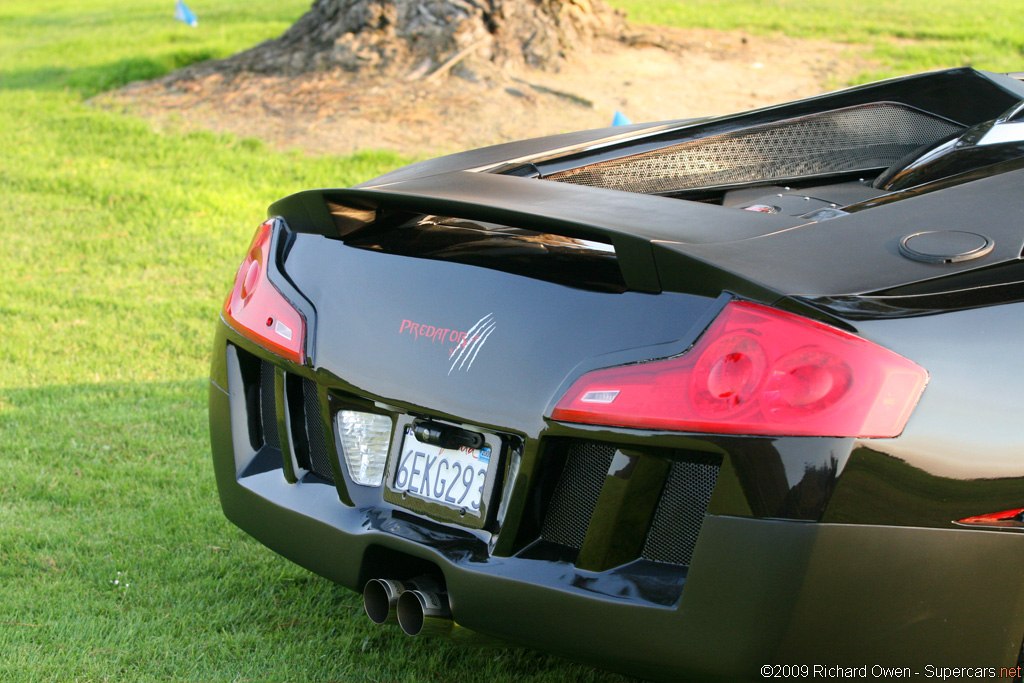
<point>467,344</point>
<point>471,344</point>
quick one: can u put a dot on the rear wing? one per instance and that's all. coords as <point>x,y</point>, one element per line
<point>631,223</point>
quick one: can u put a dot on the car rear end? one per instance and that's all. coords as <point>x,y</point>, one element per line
<point>378,415</point>
<point>462,363</point>
<point>668,438</point>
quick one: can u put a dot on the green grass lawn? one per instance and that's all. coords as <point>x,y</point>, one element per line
<point>904,36</point>
<point>118,243</point>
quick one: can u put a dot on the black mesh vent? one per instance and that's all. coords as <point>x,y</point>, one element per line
<point>268,409</point>
<point>319,463</point>
<point>846,140</point>
<point>680,513</point>
<point>575,496</point>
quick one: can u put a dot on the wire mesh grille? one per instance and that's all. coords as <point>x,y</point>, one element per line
<point>680,512</point>
<point>576,493</point>
<point>845,140</point>
<point>268,409</point>
<point>319,462</point>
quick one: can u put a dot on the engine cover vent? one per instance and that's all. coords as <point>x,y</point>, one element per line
<point>854,139</point>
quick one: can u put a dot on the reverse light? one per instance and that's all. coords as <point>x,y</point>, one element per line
<point>365,440</point>
<point>760,371</point>
<point>257,310</point>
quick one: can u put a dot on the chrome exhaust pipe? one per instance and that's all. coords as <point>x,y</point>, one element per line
<point>380,598</point>
<point>420,608</point>
<point>425,613</point>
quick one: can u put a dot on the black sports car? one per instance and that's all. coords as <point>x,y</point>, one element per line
<point>712,398</point>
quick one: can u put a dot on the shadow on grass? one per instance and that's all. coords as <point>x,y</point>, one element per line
<point>92,80</point>
<point>118,560</point>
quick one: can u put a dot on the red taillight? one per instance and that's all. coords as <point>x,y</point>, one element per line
<point>1008,518</point>
<point>761,371</point>
<point>257,310</point>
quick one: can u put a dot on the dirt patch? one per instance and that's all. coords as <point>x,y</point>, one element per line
<point>664,74</point>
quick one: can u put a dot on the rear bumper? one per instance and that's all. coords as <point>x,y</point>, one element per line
<point>757,591</point>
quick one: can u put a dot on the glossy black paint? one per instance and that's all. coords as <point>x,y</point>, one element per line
<point>812,550</point>
<point>983,145</point>
<point>962,96</point>
<point>576,263</point>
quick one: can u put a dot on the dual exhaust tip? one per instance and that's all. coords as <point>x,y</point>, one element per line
<point>420,607</point>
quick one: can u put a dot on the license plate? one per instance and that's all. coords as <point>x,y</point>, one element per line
<point>449,476</point>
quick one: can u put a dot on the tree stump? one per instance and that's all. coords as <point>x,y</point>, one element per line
<point>429,38</point>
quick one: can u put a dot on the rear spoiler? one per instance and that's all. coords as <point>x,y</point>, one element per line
<point>632,223</point>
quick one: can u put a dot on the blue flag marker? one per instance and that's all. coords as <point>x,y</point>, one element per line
<point>619,119</point>
<point>184,14</point>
